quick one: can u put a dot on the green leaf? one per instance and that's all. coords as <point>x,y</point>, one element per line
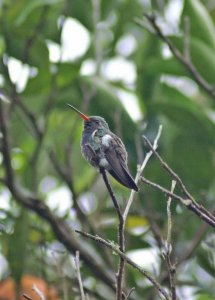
<point>201,57</point>
<point>133,222</point>
<point>201,296</point>
<point>20,10</point>
<point>201,24</point>
<point>2,45</point>
<point>158,65</point>
<point>17,246</point>
<point>187,114</point>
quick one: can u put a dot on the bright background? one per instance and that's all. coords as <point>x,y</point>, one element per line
<point>96,56</point>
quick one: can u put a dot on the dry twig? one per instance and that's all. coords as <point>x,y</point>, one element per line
<point>114,248</point>
<point>168,250</point>
<point>77,265</point>
<point>189,201</point>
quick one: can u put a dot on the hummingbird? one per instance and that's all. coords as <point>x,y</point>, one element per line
<point>104,149</point>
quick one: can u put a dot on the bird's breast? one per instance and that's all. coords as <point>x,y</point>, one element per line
<point>106,140</point>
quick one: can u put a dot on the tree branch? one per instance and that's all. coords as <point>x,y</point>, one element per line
<point>77,265</point>
<point>193,206</point>
<point>140,171</point>
<point>167,253</point>
<point>128,260</point>
<point>208,88</point>
<point>121,237</point>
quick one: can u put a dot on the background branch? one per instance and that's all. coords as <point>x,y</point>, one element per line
<point>197,209</point>
<point>184,59</point>
<point>201,211</point>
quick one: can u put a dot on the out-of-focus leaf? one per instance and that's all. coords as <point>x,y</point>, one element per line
<point>20,10</point>
<point>158,65</point>
<point>201,24</point>
<point>17,246</point>
<point>200,296</point>
<point>136,222</point>
<point>81,10</point>
<point>193,118</point>
<point>201,57</point>
<point>205,262</point>
<point>2,45</point>
<point>146,81</point>
<point>66,73</point>
<point>195,136</point>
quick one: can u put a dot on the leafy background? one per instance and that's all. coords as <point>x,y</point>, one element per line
<point>165,93</point>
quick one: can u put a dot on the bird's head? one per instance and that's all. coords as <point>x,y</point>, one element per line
<point>93,122</point>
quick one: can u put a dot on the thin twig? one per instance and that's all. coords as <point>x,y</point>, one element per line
<point>116,249</point>
<point>129,293</point>
<point>38,292</point>
<point>208,88</point>
<point>197,209</point>
<point>140,171</point>
<point>168,250</point>
<point>121,237</point>
<point>168,169</point>
<point>179,181</point>
<point>77,265</point>
<point>169,218</point>
<point>26,297</point>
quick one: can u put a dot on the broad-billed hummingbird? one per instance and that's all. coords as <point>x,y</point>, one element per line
<point>103,149</point>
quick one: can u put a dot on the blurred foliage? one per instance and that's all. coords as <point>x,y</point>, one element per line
<point>166,94</point>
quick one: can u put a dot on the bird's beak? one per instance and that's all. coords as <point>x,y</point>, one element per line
<point>83,116</point>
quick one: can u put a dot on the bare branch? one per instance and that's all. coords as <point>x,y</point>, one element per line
<point>140,171</point>
<point>208,88</point>
<point>129,293</point>
<point>77,265</point>
<point>114,248</point>
<point>38,292</point>
<point>168,250</point>
<point>121,236</point>
<point>168,169</point>
<point>26,297</point>
<point>193,206</point>
<point>179,181</point>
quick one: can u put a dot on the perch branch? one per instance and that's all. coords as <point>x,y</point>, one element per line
<point>121,237</point>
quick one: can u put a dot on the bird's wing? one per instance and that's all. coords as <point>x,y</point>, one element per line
<point>117,158</point>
